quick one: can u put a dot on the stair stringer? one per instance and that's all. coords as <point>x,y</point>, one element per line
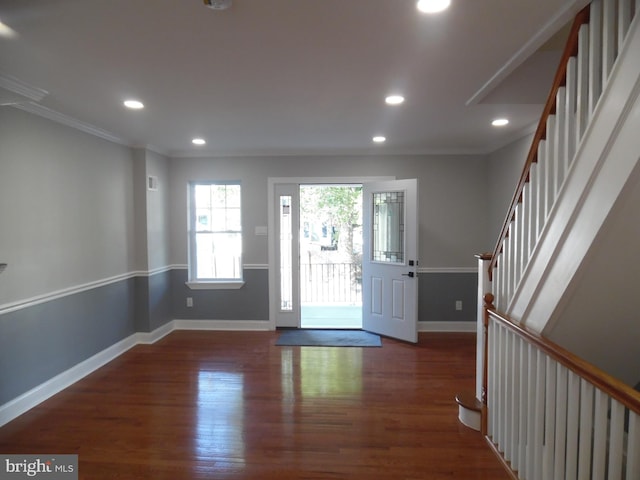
<point>604,160</point>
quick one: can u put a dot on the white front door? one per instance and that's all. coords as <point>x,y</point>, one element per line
<point>390,259</point>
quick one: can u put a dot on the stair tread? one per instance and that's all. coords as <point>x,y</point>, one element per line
<point>469,401</point>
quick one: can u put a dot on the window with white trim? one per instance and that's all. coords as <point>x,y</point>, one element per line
<point>215,232</point>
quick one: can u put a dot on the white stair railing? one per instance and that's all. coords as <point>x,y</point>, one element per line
<point>553,416</point>
<point>597,35</point>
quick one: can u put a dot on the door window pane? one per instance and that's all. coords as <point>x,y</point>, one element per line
<point>286,255</point>
<point>388,227</point>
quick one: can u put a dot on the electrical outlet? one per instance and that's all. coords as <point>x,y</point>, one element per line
<point>189,302</point>
<point>458,304</point>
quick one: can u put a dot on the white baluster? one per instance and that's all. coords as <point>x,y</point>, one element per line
<point>539,416</point>
<point>524,407</point>
<point>550,169</point>
<point>500,388</point>
<point>633,447</point>
<point>526,221</point>
<point>595,54</point>
<point>533,200</point>
<point>505,273</point>
<point>517,245</point>
<point>542,175</point>
<point>549,419</point>
<point>582,87</point>
<point>624,20</point>
<point>570,115</point>
<point>491,379</point>
<point>616,440</point>
<point>496,284</point>
<point>609,39</point>
<point>515,399</point>
<point>503,276</point>
<point>586,430</point>
<point>531,418</point>
<point>510,263</point>
<point>573,426</point>
<point>524,230</point>
<point>559,466</point>
<point>600,434</point>
<point>559,153</point>
<point>506,400</point>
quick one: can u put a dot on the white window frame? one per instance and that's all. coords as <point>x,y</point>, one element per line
<point>210,283</point>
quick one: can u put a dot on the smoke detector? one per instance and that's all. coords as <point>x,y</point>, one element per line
<point>218,4</point>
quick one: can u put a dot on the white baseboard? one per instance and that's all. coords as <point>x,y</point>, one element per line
<point>42,392</point>
<point>447,326</point>
<point>147,338</point>
<point>250,325</point>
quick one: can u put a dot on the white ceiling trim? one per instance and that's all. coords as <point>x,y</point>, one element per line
<point>546,32</point>
<point>326,153</point>
<point>58,117</point>
<point>21,88</point>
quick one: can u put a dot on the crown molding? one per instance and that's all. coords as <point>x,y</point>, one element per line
<point>187,154</point>
<point>58,117</point>
<point>151,148</point>
<point>22,89</point>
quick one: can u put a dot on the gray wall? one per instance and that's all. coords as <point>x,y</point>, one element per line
<point>452,198</point>
<point>251,302</point>
<point>157,212</point>
<point>39,342</point>
<point>66,221</point>
<point>66,203</point>
<point>453,208</point>
<point>153,291</point>
<point>505,168</point>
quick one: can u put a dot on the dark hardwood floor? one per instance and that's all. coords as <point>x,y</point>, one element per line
<point>218,405</point>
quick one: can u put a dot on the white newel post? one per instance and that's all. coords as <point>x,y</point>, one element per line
<point>484,287</point>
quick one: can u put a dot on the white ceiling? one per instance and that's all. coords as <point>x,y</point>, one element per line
<point>285,77</point>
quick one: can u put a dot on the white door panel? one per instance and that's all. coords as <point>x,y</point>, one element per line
<point>389,264</point>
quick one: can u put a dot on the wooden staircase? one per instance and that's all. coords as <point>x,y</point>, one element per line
<point>548,413</point>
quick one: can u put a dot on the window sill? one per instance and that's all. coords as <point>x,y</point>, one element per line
<point>232,285</point>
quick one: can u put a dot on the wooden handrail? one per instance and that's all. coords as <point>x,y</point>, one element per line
<point>613,387</point>
<point>559,80</point>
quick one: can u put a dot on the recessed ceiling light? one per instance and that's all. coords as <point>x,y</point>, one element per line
<point>379,139</point>
<point>394,99</point>
<point>6,31</point>
<point>432,6</point>
<point>133,104</point>
<point>198,141</point>
<point>500,122</point>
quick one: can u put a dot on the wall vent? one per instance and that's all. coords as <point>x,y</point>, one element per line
<point>152,183</point>
<point>218,4</point>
